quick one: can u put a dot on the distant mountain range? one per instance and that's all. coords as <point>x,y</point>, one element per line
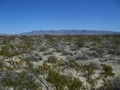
<point>70,32</point>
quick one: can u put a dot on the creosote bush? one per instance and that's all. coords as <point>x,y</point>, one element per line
<point>52,59</point>
<point>107,70</point>
<point>80,42</point>
<point>43,48</point>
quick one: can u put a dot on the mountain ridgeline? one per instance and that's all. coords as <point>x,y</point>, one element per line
<point>70,32</point>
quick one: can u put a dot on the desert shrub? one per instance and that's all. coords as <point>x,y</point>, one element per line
<point>56,80</point>
<point>5,41</point>
<point>64,63</point>
<point>47,36</point>
<point>74,64</point>
<point>93,48</point>
<point>111,51</point>
<point>59,49</point>
<point>106,75</point>
<point>35,57</point>
<point>52,59</point>
<point>100,51</point>
<point>114,51</point>
<point>80,42</point>
<point>28,41</point>
<point>21,62</point>
<point>32,57</point>
<point>89,44</point>
<point>16,41</point>
<point>110,84</point>
<point>74,47</point>
<point>11,37</point>
<point>60,82</point>
<point>1,41</point>
<point>95,38</point>
<point>68,38</point>
<point>118,61</point>
<point>1,80</point>
<point>20,80</point>
<point>9,50</point>
<point>81,57</point>
<point>115,83</point>
<point>88,73</point>
<point>38,57</point>
<point>70,57</point>
<point>5,51</point>
<point>43,48</point>
<point>116,40</point>
<point>47,53</point>
<point>94,64</point>
<point>92,54</point>
<point>89,69</point>
<point>107,70</point>
<point>66,53</point>
<point>1,64</point>
<point>51,40</point>
<point>74,83</point>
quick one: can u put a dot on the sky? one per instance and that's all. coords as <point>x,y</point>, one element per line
<point>17,16</point>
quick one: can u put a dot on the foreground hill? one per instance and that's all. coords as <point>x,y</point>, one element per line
<point>69,32</point>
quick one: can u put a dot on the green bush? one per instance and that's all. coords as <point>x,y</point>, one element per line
<point>80,41</point>
<point>60,82</point>
<point>107,70</point>
<point>43,48</point>
<point>52,59</point>
<point>1,64</point>
<point>95,38</point>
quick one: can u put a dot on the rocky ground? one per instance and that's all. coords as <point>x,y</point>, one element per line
<point>60,62</point>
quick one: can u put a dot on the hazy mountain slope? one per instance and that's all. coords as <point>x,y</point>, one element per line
<point>68,32</point>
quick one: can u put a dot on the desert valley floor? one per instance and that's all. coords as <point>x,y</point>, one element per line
<point>68,62</point>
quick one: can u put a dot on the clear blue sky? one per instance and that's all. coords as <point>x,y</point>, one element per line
<point>18,16</point>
